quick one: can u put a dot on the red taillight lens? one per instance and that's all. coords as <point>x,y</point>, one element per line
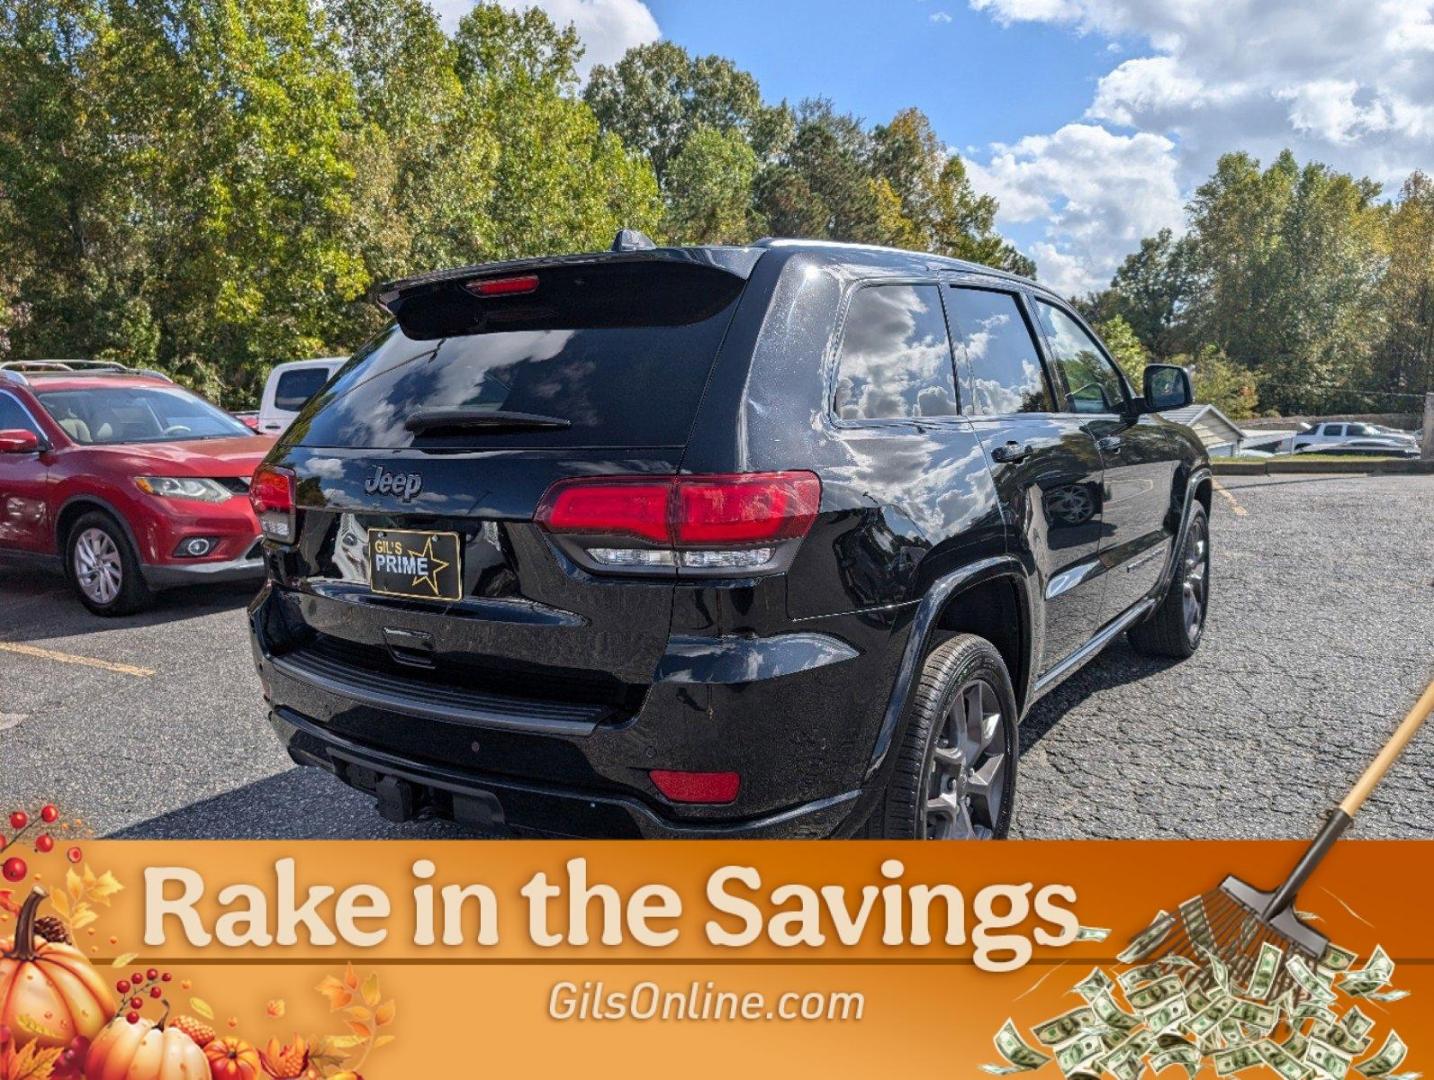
<point>759,508</point>
<point>697,787</point>
<point>686,511</point>
<point>271,494</point>
<point>504,286</point>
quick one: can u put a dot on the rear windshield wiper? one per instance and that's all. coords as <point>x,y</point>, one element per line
<point>427,420</point>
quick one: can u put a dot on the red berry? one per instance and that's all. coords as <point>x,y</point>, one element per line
<point>14,869</point>
<point>19,819</point>
<point>74,854</point>
<point>166,977</point>
<point>132,1017</point>
<point>137,978</point>
<point>155,991</point>
<point>136,1003</point>
<point>49,813</point>
<point>122,986</point>
<point>152,974</point>
<point>44,843</point>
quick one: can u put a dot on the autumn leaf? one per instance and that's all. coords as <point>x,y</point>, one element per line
<point>74,885</point>
<point>351,979</point>
<point>371,993</point>
<point>202,1007</point>
<point>123,960</point>
<point>84,915</point>
<point>359,1013</point>
<point>276,1008</point>
<point>33,1063</point>
<point>363,1031</point>
<point>384,1014</point>
<point>102,888</point>
<point>383,1040</point>
<point>338,994</point>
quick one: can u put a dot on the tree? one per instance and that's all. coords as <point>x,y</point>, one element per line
<point>1125,348</point>
<point>710,182</point>
<point>1216,381</point>
<point>1405,360</point>
<point>1151,291</point>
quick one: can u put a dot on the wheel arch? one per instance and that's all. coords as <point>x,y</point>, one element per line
<point>982,598</point>
<point>75,507</point>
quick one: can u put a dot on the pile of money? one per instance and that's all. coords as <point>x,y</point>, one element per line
<point>1194,1011</point>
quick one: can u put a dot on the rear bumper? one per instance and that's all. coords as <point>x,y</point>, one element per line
<point>405,788</point>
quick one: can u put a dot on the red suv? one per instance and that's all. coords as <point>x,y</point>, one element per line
<point>133,482</point>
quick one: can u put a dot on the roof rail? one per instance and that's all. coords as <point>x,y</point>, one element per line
<point>17,369</point>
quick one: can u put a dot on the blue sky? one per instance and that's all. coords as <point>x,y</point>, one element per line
<point>1092,121</point>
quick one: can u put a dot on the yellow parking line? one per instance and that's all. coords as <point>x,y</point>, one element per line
<point>1234,503</point>
<point>71,658</point>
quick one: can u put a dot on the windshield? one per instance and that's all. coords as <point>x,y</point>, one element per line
<point>137,414</point>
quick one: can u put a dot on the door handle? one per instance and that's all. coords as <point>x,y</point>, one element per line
<point>1109,445</point>
<point>1011,452</point>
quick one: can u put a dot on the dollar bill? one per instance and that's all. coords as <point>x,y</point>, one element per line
<point>1084,1049</point>
<point>1197,998</point>
<point>1185,1055</point>
<point>1387,995</point>
<point>1208,1019</point>
<point>1197,923</point>
<point>1151,996</point>
<point>1257,1015</point>
<point>1282,1061</point>
<point>1092,933</point>
<point>1064,1028</point>
<point>1295,1044</point>
<point>1308,981</point>
<point>1329,1060</point>
<point>1112,1015</point>
<point>1355,1022</point>
<point>1149,939</point>
<point>1391,1055</point>
<point>1336,959</point>
<point>1168,1015</point>
<point>1019,1056</point>
<point>1094,984</point>
<point>1235,1059</point>
<point>1375,974</point>
<point>1267,966</point>
<point>1219,973</point>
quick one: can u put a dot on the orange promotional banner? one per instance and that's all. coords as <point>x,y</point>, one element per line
<point>297,959</point>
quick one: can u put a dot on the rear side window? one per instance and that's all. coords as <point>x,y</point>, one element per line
<point>617,353</point>
<point>895,359</point>
<point>1092,383</point>
<point>1006,373</point>
<point>295,387</point>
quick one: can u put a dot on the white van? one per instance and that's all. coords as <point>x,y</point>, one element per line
<point>289,388</point>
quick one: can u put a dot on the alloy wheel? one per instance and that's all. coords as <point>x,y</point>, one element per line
<point>966,782</point>
<point>1196,582</point>
<point>97,565</point>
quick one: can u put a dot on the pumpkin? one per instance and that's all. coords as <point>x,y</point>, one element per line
<point>232,1059</point>
<point>49,994</point>
<point>144,1050</point>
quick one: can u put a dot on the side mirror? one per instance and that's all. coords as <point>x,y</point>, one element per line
<point>1167,386</point>
<point>19,441</point>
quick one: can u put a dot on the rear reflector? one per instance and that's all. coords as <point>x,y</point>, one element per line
<point>504,286</point>
<point>271,494</point>
<point>697,787</point>
<point>721,511</point>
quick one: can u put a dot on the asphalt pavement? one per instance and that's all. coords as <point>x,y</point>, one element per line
<point>1320,636</point>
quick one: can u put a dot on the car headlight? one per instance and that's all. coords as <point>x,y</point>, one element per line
<point>183,487</point>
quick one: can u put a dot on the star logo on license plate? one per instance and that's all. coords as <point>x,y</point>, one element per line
<point>435,567</point>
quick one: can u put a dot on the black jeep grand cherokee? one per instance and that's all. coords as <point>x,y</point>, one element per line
<point>777,540</point>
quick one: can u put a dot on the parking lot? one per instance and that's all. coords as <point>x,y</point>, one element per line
<point>1318,640</point>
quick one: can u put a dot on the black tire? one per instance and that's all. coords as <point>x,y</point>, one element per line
<point>941,694</point>
<point>1171,630</point>
<point>115,588</point>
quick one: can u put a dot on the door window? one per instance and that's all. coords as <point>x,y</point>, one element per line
<point>895,361</point>
<point>14,417</point>
<point>1006,372</point>
<point>1092,383</point>
<point>1334,430</point>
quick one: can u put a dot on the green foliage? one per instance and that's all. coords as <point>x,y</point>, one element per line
<point>1125,348</point>
<point>710,189</point>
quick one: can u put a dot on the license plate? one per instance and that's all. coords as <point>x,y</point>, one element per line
<point>421,565</point>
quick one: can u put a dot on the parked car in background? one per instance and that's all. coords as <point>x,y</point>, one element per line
<point>249,418</point>
<point>778,540</point>
<point>1362,448</point>
<point>1327,434</point>
<point>132,482</point>
<point>288,389</point>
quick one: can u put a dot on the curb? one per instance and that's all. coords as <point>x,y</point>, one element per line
<point>1396,467</point>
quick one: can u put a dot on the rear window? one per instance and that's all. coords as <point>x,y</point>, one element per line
<point>295,387</point>
<point>620,352</point>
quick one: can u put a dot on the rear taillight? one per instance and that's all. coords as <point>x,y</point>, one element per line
<point>740,522</point>
<point>271,494</point>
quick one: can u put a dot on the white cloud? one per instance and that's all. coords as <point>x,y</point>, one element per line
<point>608,27</point>
<point>1096,192</point>
<point>939,17</point>
<point>1346,82</point>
